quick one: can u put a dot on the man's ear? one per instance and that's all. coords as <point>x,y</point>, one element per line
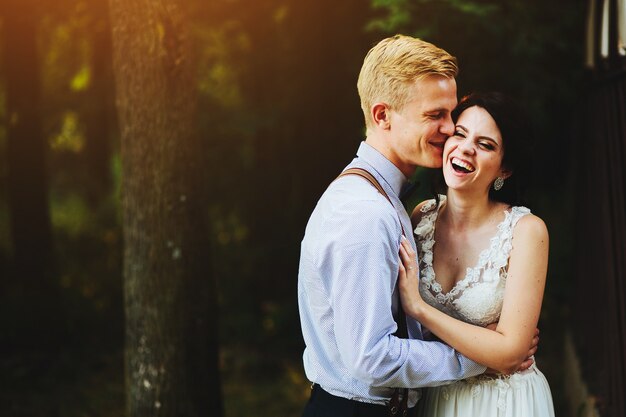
<point>381,115</point>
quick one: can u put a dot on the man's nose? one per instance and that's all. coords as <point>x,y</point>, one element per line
<point>447,127</point>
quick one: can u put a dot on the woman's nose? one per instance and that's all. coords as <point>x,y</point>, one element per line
<point>467,146</point>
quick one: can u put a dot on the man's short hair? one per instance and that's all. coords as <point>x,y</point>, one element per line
<point>393,64</point>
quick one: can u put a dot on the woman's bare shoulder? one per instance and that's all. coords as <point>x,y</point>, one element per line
<point>424,207</point>
<point>531,228</point>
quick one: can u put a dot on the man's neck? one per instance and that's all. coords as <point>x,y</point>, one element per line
<point>381,144</point>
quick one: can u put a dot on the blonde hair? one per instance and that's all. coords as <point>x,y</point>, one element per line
<point>395,63</point>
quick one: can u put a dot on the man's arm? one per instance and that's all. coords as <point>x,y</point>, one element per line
<point>362,255</point>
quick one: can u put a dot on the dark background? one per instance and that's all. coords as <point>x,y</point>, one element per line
<point>279,117</point>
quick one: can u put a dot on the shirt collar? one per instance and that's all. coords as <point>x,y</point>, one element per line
<point>390,173</point>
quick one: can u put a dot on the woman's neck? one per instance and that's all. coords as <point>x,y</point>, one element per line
<point>467,211</point>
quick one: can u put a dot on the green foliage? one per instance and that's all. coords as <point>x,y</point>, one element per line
<point>71,214</point>
<point>398,15</point>
<point>81,80</point>
<point>217,74</point>
<point>66,57</point>
<point>70,138</point>
<point>472,8</point>
<point>402,16</point>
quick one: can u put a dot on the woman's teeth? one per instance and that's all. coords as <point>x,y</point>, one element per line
<point>462,166</point>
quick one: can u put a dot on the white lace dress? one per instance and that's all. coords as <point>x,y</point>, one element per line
<point>477,299</point>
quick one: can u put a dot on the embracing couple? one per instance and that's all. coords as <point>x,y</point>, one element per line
<point>432,314</point>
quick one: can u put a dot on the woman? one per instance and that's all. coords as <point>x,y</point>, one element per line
<point>482,260</point>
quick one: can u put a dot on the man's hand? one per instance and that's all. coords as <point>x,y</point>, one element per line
<point>534,343</point>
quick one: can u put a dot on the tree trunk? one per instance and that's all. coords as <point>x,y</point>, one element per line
<point>170,296</point>
<point>26,151</point>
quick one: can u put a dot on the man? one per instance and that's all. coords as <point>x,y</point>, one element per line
<point>349,257</point>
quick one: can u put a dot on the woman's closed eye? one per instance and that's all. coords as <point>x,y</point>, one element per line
<point>486,145</point>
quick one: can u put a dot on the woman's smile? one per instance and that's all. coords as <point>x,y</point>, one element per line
<point>461,166</point>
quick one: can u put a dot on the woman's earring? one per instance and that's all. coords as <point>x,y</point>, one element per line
<point>498,183</point>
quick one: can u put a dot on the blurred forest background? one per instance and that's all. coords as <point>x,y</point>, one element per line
<point>278,117</point>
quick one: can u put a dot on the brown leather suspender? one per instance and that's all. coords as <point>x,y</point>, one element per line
<point>372,180</point>
<point>398,405</point>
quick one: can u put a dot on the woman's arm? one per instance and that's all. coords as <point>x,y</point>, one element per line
<point>507,347</point>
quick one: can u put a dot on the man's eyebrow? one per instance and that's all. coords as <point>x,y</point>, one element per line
<point>439,110</point>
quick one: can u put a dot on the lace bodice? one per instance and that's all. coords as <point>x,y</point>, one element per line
<point>477,298</point>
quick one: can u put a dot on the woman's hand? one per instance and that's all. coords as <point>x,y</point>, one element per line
<point>407,280</point>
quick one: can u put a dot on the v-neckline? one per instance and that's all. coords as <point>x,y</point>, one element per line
<point>468,271</point>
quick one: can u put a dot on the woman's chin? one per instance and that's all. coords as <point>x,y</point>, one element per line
<point>453,182</point>
<point>458,186</point>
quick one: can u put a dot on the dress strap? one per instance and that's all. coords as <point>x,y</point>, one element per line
<point>502,243</point>
<point>512,217</point>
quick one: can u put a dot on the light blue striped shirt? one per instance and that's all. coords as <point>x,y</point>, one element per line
<point>347,297</point>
